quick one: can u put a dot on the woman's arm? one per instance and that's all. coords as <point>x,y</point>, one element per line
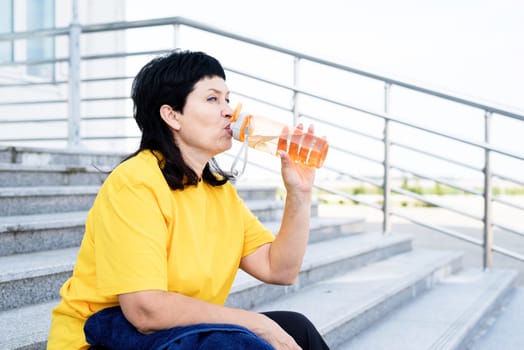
<point>279,262</point>
<point>150,311</point>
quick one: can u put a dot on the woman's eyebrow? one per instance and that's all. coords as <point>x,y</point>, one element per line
<point>218,91</point>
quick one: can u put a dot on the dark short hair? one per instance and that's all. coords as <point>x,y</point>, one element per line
<point>169,79</point>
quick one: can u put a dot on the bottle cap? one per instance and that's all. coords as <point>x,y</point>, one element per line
<point>238,126</point>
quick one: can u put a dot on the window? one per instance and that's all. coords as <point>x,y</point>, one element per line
<point>40,15</point>
<point>6,26</point>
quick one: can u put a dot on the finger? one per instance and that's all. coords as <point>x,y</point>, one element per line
<point>306,143</point>
<point>318,148</point>
<point>284,158</point>
<point>282,140</point>
<point>295,140</point>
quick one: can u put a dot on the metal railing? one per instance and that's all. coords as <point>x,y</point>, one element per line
<point>289,97</point>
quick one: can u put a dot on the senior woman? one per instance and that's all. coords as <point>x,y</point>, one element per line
<point>167,231</point>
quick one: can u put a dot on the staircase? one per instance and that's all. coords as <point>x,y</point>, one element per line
<point>363,290</point>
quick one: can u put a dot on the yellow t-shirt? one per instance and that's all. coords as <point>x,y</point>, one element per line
<point>141,235</point>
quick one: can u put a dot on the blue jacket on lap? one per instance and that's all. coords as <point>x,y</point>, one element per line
<point>109,328</point>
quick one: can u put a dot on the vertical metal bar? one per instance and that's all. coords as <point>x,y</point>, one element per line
<point>11,43</point>
<point>296,70</point>
<point>54,65</point>
<point>488,203</point>
<point>74,78</point>
<point>176,36</point>
<point>386,187</point>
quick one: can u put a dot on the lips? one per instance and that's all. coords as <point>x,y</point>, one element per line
<point>228,129</point>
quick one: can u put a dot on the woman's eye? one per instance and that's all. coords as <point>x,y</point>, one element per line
<point>212,98</point>
<point>227,100</point>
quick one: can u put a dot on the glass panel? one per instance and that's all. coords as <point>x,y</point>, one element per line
<point>6,26</point>
<point>40,15</point>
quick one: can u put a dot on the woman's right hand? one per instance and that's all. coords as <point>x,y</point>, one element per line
<point>275,335</point>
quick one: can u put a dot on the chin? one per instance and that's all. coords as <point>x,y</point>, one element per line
<point>223,149</point>
<point>228,146</point>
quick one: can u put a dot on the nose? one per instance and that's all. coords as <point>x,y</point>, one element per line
<point>227,112</point>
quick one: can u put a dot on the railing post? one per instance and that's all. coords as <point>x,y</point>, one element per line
<point>386,187</point>
<point>296,63</point>
<point>176,35</point>
<point>74,78</point>
<point>488,203</point>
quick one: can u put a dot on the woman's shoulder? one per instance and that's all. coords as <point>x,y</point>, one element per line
<point>142,167</point>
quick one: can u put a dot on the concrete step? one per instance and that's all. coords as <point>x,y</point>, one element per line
<point>52,199</point>
<point>343,306</point>
<point>32,278</point>
<point>37,277</point>
<point>31,233</point>
<point>40,232</point>
<point>45,199</point>
<point>266,209</point>
<point>324,228</point>
<point>258,192</point>
<point>43,157</point>
<point>506,326</point>
<point>272,210</point>
<point>20,175</point>
<point>446,318</point>
<point>26,328</point>
<point>322,259</point>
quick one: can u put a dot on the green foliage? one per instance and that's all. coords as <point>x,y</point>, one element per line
<point>413,185</point>
<point>517,191</point>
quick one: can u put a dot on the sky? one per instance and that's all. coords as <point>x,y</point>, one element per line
<point>471,48</point>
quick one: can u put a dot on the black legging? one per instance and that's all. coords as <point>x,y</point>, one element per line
<point>300,328</point>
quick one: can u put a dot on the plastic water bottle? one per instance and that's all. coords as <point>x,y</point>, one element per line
<point>271,136</point>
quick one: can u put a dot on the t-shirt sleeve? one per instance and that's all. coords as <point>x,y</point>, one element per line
<point>131,236</point>
<point>255,233</point>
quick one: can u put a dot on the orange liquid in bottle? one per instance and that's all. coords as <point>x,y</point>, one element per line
<point>305,149</point>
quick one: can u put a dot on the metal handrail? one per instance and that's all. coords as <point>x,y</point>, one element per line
<point>125,25</point>
<point>387,139</point>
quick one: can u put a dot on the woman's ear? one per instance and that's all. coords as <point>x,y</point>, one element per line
<point>170,116</point>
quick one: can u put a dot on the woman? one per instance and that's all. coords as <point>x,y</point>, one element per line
<point>167,231</point>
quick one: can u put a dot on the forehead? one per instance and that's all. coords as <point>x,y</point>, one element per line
<point>215,84</point>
